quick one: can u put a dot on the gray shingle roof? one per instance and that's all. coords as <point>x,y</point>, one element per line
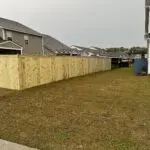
<point>48,51</point>
<point>89,50</point>
<point>53,44</point>
<point>16,26</point>
<point>117,55</point>
<point>100,50</point>
<point>75,51</point>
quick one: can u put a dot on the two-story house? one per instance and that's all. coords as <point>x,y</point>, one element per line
<point>16,38</point>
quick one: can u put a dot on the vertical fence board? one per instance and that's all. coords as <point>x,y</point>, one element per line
<point>9,72</point>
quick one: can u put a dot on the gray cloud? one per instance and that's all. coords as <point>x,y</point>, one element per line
<point>102,23</point>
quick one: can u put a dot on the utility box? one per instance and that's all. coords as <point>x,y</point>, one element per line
<point>140,66</point>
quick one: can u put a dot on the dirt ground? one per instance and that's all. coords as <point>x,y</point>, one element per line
<point>104,111</point>
<point>4,92</point>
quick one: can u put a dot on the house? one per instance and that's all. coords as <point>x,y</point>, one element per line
<point>121,55</point>
<point>84,51</point>
<point>136,52</point>
<point>54,47</point>
<point>79,48</point>
<point>92,51</point>
<point>16,38</point>
<point>100,51</point>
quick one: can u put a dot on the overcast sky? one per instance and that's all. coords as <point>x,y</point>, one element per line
<point>102,23</point>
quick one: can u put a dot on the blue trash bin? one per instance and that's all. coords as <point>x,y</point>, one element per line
<point>140,66</point>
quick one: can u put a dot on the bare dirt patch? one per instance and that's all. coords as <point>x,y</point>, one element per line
<point>4,92</point>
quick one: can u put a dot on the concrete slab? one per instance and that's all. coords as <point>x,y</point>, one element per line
<point>5,145</point>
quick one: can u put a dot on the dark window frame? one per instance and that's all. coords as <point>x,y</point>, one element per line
<point>9,38</point>
<point>26,42</point>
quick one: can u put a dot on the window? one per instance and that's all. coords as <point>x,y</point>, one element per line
<point>9,35</point>
<point>9,38</point>
<point>26,39</point>
<point>1,33</point>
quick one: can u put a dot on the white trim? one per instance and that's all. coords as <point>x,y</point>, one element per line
<point>93,48</point>
<point>3,32</point>
<point>21,50</point>
<point>11,42</point>
<point>10,48</point>
<point>43,47</point>
<point>148,47</point>
<point>15,44</point>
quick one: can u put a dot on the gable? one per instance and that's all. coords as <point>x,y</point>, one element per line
<point>10,45</point>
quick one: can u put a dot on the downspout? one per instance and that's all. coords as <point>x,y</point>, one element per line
<point>3,33</point>
<point>21,50</point>
<point>43,47</point>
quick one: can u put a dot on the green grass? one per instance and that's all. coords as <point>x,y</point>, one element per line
<point>123,145</point>
<point>103,111</point>
<point>62,136</point>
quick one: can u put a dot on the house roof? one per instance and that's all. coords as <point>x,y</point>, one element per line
<point>16,26</point>
<point>75,51</point>
<point>80,47</point>
<point>49,51</point>
<point>10,45</point>
<point>100,49</point>
<point>117,55</point>
<point>83,48</point>
<point>86,50</point>
<point>53,44</point>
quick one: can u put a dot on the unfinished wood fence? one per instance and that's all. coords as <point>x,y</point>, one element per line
<point>21,72</point>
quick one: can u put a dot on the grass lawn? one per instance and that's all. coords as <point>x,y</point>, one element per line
<point>104,111</point>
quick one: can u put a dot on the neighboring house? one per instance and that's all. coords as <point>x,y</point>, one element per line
<point>121,55</point>
<point>135,56</point>
<point>84,51</point>
<point>92,51</point>
<point>16,38</point>
<point>79,48</point>
<point>135,52</point>
<point>100,51</point>
<point>54,47</point>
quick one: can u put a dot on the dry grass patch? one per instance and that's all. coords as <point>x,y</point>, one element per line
<point>108,110</point>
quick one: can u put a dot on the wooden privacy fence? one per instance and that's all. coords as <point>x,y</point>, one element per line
<point>21,72</point>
